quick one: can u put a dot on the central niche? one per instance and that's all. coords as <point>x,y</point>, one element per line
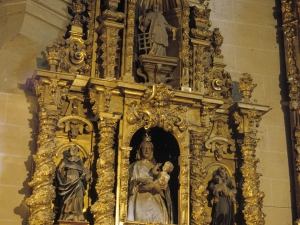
<point>165,149</point>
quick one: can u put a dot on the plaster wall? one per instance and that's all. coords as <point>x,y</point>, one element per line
<point>250,45</point>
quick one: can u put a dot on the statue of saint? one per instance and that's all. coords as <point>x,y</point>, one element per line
<point>149,194</point>
<point>224,198</point>
<point>72,177</point>
<point>156,25</point>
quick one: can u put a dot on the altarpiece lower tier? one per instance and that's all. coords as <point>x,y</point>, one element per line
<point>137,124</point>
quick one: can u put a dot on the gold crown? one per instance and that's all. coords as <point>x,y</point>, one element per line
<point>147,137</point>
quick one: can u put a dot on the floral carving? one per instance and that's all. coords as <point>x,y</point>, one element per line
<point>155,111</point>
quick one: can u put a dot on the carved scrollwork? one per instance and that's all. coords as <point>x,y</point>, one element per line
<point>218,83</point>
<point>152,111</point>
<point>74,125</point>
<point>219,140</point>
<point>74,55</point>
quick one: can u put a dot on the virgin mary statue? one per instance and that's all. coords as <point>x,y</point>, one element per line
<point>148,201</point>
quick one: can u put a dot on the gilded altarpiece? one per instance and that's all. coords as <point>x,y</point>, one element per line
<point>290,10</point>
<point>116,80</point>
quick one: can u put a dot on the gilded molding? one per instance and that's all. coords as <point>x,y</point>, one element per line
<point>129,41</point>
<point>186,50</point>
<point>103,208</point>
<point>197,175</point>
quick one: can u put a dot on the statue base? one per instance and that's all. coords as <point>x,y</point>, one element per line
<point>157,68</point>
<point>68,222</point>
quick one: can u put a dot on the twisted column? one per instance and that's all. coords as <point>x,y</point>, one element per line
<point>103,208</point>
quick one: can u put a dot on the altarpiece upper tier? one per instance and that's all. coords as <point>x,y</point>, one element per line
<point>137,124</point>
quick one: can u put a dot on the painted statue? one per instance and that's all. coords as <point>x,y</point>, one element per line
<point>224,198</point>
<point>72,178</point>
<point>149,194</point>
<point>158,26</point>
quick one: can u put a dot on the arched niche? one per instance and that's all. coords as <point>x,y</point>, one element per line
<point>166,148</point>
<point>173,11</point>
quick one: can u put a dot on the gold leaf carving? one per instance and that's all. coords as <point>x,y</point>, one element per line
<point>103,208</point>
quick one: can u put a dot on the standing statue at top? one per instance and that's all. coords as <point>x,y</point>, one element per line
<point>156,25</point>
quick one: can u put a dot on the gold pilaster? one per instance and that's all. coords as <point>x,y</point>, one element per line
<point>186,50</point>
<point>198,188</point>
<point>129,42</point>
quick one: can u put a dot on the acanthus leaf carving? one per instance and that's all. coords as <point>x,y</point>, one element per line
<point>155,111</point>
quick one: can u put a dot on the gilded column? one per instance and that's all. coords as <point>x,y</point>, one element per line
<point>197,176</point>
<point>49,94</point>
<point>103,208</point>
<point>247,116</point>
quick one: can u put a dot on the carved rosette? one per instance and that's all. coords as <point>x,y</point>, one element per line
<point>103,208</point>
<point>40,202</point>
<point>197,176</point>
<point>248,121</point>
